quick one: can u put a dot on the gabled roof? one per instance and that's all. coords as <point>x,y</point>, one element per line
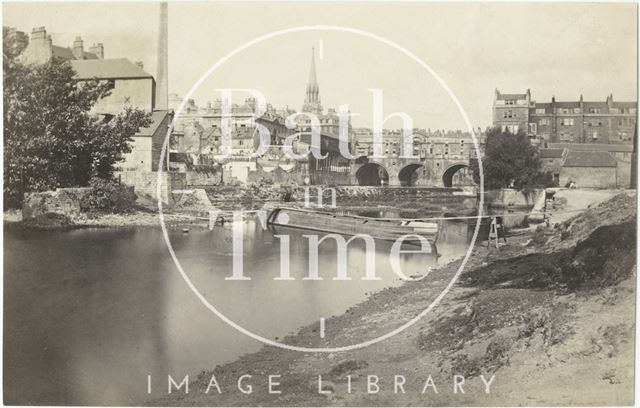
<point>62,52</point>
<point>600,105</point>
<point>573,104</point>
<point>593,147</point>
<point>624,104</point>
<point>551,153</point>
<point>589,159</point>
<point>89,55</point>
<point>67,54</point>
<point>157,117</point>
<point>117,68</point>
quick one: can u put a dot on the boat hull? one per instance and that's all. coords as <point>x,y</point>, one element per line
<point>379,228</point>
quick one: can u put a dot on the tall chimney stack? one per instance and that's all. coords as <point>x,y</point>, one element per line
<point>78,48</point>
<point>162,87</point>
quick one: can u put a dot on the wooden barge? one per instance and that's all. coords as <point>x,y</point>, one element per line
<point>388,229</point>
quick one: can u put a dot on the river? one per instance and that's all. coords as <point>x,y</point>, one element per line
<point>89,313</point>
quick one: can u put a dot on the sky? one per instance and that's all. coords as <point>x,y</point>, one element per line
<point>552,49</point>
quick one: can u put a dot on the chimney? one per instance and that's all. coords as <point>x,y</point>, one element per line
<point>140,64</point>
<point>162,87</point>
<point>97,49</point>
<point>38,33</point>
<point>78,48</point>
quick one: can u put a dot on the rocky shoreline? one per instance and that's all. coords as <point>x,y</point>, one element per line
<point>135,219</point>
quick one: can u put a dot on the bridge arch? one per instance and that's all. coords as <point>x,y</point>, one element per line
<point>409,174</point>
<point>372,174</point>
<point>447,176</point>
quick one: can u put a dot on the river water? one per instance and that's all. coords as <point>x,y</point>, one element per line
<point>89,313</point>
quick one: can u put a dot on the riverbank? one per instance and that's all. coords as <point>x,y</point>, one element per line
<point>551,318</point>
<point>134,219</point>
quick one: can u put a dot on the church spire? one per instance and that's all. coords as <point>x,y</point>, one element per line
<point>312,100</point>
<point>313,80</point>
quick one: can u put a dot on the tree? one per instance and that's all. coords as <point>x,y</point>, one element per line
<point>510,161</point>
<point>51,137</point>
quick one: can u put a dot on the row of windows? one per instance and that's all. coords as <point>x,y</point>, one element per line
<point>508,114</point>
<point>568,111</point>
<point>594,122</point>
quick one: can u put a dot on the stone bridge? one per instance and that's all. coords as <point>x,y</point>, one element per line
<point>430,172</point>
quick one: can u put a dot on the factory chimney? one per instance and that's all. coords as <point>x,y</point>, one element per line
<point>162,87</point>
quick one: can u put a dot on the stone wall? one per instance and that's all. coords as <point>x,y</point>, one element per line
<point>146,183</point>
<point>590,177</point>
<point>363,195</point>
<point>623,173</point>
<point>203,177</point>
<point>275,176</point>
<point>517,206</point>
<point>61,201</point>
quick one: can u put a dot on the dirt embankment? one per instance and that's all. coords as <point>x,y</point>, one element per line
<point>552,320</point>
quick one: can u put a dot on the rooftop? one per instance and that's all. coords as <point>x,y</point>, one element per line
<point>593,147</point>
<point>156,119</point>
<point>117,68</point>
<point>589,159</point>
<point>551,153</point>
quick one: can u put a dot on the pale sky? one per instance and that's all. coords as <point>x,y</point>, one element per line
<point>553,49</point>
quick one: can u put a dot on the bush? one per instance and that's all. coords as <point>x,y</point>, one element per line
<point>108,196</point>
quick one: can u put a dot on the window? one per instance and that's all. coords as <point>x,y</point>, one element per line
<point>576,110</point>
<point>544,121</point>
<point>594,110</point>
<point>446,148</point>
<point>540,111</point>
<point>594,135</point>
<point>567,122</point>
<point>533,128</point>
<point>510,102</point>
<point>566,111</point>
<point>508,114</point>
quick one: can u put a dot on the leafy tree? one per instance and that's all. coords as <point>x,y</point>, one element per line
<point>51,137</point>
<point>510,161</point>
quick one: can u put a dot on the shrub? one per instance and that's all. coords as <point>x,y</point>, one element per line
<point>108,196</point>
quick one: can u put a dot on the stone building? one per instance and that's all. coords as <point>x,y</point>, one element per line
<point>578,121</point>
<point>130,84</point>
<point>622,153</point>
<point>147,145</point>
<point>41,49</point>
<point>441,158</point>
<point>551,160</point>
<point>589,169</point>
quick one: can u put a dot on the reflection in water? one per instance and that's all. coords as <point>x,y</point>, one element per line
<point>90,313</point>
